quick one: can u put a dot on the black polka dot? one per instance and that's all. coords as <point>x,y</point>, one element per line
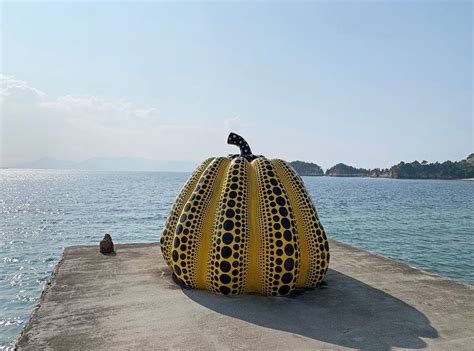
<point>280,201</point>
<point>228,225</point>
<point>289,250</point>
<point>177,270</point>
<point>227,238</point>
<point>287,278</point>
<point>175,255</point>
<point>226,252</point>
<point>225,266</point>
<point>286,223</point>
<point>225,290</point>
<point>285,289</point>
<point>289,264</point>
<point>229,213</point>
<point>283,211</point>
<point>224,278</point>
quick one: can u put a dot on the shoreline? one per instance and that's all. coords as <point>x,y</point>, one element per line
<point>369,177</point>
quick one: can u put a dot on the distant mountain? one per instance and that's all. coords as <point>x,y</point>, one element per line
<point>307,168</point>
<point>111,164</point>
<point>47,163</point>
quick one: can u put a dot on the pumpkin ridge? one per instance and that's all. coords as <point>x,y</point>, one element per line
<point>300,219</point>
<point>279,237</point>
<point>317,256</point>
<point>228,256</point>
<point>167,236</point>
<point>254,271</point>
<point>188,232</point>
<point>207,228</point>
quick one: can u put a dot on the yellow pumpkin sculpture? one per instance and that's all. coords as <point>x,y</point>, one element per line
<point>244,223</point>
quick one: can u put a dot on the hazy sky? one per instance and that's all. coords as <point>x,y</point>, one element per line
<point>365,83</point>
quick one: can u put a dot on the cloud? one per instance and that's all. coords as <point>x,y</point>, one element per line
<point>15,90</point>
<point>101,110</point>
<point>74,107</point>
<point>35,124</point>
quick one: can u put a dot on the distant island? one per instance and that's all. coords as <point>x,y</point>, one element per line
<point>307,168</point>
<point>415,170</point>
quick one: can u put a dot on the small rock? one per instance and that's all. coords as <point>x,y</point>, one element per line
<point>106,244</point>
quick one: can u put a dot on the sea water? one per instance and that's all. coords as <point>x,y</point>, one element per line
<point>425,223</point>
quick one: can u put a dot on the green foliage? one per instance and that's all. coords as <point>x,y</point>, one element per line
<point>445,170</point>
<point>343,170</point>
<point>307,169</point>
<point>414,170</point>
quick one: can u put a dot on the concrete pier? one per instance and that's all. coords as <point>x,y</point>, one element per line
<point>129,301</point>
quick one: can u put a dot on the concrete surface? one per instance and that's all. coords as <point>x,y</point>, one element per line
<point>129,301</point>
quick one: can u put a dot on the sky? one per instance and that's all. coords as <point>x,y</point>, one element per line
<point>365,83</point>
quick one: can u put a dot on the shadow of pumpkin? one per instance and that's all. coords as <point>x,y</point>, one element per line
<point>344,312</point>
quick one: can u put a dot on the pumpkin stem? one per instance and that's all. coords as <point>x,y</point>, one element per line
<point>237,140</point>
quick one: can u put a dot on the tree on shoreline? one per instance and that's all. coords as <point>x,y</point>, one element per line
<point>414,170</point>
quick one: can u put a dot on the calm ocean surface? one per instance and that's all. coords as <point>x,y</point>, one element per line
<point>425,223</point>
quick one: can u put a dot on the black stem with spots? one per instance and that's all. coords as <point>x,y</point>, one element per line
<point>237,140</point>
